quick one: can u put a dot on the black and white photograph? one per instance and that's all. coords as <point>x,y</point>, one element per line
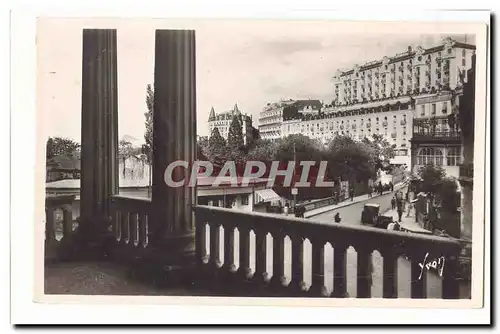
<point>278,160</point>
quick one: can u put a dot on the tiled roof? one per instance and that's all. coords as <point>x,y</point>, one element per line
<point>64,162</point>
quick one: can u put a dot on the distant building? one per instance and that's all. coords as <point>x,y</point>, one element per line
<point>231,193</point>
<point>436,123</point>
<point>272,125</point>
<point>63,167</point>
<point>271,119</point>
<point>222,121</point>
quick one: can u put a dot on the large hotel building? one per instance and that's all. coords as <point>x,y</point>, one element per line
<point>222,121</point>
<point>390,97</point>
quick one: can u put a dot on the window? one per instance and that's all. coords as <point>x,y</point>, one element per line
<point>433,109</point>
<point>463,61</point>
<point>453,157</point>
<point>430,156</point>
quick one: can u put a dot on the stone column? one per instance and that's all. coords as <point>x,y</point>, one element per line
<point>174,138</point>
<point>99,152</point>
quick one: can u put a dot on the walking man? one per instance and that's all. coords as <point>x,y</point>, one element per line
<point>400,206</point>
<point>393,202</point>
<point>351,193</point>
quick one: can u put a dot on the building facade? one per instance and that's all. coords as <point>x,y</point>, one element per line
<point>427,76</point>
<point>436,124</point>
<point>271,119</point>
<point>390,118</point>
<point>222,121</point>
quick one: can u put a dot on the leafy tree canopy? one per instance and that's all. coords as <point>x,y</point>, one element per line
<point>61,146</point>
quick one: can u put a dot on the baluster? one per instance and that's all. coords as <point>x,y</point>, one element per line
<point>50,233</point>
<point>418,280</point>
<point>297,285</point>
<point>318,268</point>
<point>142,220</point>
<point>390,275</point>
<point>133,223</point>
<point>214,260</point>
<point>278,280</point>
<point>261,277</point>
<point>114,219</point>
<point>200,241</point>
<point>67,220</point>
<point>450,287</point>
<point>365,268</point>
<point>118,225</point>
<point>125,224</point>
<point>244,271</point>
<point>339,271</point>
<point>229,267</point>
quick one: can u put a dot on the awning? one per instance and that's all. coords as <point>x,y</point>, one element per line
<point>267,195</point>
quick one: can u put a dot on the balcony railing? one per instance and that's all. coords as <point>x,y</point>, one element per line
<point>56,229</point>
<point>130,218</point>
<point>217,266</point>
<point>421,134</point>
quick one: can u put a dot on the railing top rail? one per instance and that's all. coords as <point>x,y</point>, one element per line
<point>55,200</point>
<point>131,204</point>
<point>129,198</point>
<point>356,235</point>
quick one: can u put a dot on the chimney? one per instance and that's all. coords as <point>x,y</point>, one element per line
<point>409,49</point>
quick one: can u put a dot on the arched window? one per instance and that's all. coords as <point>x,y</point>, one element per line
<point>430,156</point>
<point>453,156</point>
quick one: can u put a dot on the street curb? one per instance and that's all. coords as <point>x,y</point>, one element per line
<point>347,204</point>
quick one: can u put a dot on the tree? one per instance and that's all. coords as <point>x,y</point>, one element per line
<point>262,150</point>
<point>431,177</point>
<point>216,147</point>
<point>447,194</point>
<point>61,146</point>
<point>380,150</point>
<point>349,160</point>
<point>305,149</point>
<point>235,142</point>
<point>147,148</point>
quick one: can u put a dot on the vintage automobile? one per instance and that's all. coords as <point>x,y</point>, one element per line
<point>371,216</point>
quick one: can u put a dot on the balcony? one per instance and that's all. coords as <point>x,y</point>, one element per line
<point>223,252</point>
<point>423,135</point>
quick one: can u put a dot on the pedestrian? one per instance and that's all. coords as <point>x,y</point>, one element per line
<point>391,186</point>
<point>285,210</point>
<point>400,206</point>
<point>380,188</point>
<point>369,191</point>
<point>393,202</point>
<point>351,193</point>
<point>337,218</point>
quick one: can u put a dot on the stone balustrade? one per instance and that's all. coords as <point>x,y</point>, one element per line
<point>56,231</point>
<point>220,271</point>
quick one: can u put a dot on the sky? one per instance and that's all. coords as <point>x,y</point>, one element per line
<point>249,63</point>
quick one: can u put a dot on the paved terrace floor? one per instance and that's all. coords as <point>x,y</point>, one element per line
<point>91,278</point>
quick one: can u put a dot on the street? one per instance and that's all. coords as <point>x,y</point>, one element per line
<point>350,215</point>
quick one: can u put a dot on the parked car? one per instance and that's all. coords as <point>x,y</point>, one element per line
<point>371,216</point>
